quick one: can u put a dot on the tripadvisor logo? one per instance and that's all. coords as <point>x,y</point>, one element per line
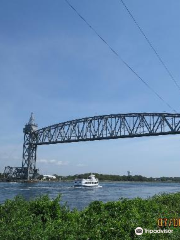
<point>138,231</point>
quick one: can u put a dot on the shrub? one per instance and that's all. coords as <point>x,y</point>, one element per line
<point>46,219</point>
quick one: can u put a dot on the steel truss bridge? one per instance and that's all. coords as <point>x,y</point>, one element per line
<point>104,127</point>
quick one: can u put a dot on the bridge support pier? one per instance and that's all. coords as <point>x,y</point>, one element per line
<point>28,170</point>
<point>29,150</point>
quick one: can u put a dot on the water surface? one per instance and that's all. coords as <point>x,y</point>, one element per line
<point>81,197</point>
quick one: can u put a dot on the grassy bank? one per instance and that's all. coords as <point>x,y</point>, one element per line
<point>43,218</point>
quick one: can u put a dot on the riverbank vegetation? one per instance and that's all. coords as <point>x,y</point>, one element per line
<point>1,176</point>
<point>108,177</point>
<point>45,219</point>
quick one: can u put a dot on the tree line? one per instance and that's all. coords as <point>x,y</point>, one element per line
<point>109,177</point>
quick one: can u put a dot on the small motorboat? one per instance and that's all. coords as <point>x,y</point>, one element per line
<point>91,181</point>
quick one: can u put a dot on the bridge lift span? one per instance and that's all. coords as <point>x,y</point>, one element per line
<point>103,127</point>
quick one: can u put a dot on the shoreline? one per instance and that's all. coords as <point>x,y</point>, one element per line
<point>101,181</point>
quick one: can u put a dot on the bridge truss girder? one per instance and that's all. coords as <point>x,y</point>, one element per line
<point>14,173</point>
<point>109,127</point>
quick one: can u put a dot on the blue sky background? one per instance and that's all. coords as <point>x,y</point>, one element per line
<point>52,64</point>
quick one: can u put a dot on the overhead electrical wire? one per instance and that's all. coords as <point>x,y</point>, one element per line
<point>151,46</point>
<point>127,65</point>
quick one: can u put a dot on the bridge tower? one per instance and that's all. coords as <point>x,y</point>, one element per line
<point>29,149</point>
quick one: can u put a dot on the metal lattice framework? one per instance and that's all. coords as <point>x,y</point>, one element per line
<point>90,129</point>
<point>109,127</point>
<point>13,173</point>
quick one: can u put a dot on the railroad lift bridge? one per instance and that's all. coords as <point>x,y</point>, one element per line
<point>103,127</point>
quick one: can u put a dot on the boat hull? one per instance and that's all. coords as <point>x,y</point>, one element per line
<point>90,182</point>
<point>86,185</point>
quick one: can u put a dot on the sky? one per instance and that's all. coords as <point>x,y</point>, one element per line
<point>54,65</point>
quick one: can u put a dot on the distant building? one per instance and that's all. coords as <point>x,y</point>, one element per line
<point>48,177</point>
<point>129,173</point>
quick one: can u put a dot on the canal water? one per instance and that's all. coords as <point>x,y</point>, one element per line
<point>81,197</point>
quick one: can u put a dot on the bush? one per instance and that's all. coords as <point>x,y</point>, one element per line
<point>46,219</point>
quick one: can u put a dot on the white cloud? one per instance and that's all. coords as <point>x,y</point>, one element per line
<point>81,165</point>
<point>53,161</point>
<point>62,163</point>
<point>42,160</point>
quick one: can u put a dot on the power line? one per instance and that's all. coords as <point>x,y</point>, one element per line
<point>150,44</point>
<point>127,65</point>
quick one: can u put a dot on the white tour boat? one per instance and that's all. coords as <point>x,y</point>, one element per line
<point>91,181</point>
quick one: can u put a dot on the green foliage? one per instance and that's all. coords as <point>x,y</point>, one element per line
<point>46,219</point>
<point>1,176</point>
<point>108,177</point>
